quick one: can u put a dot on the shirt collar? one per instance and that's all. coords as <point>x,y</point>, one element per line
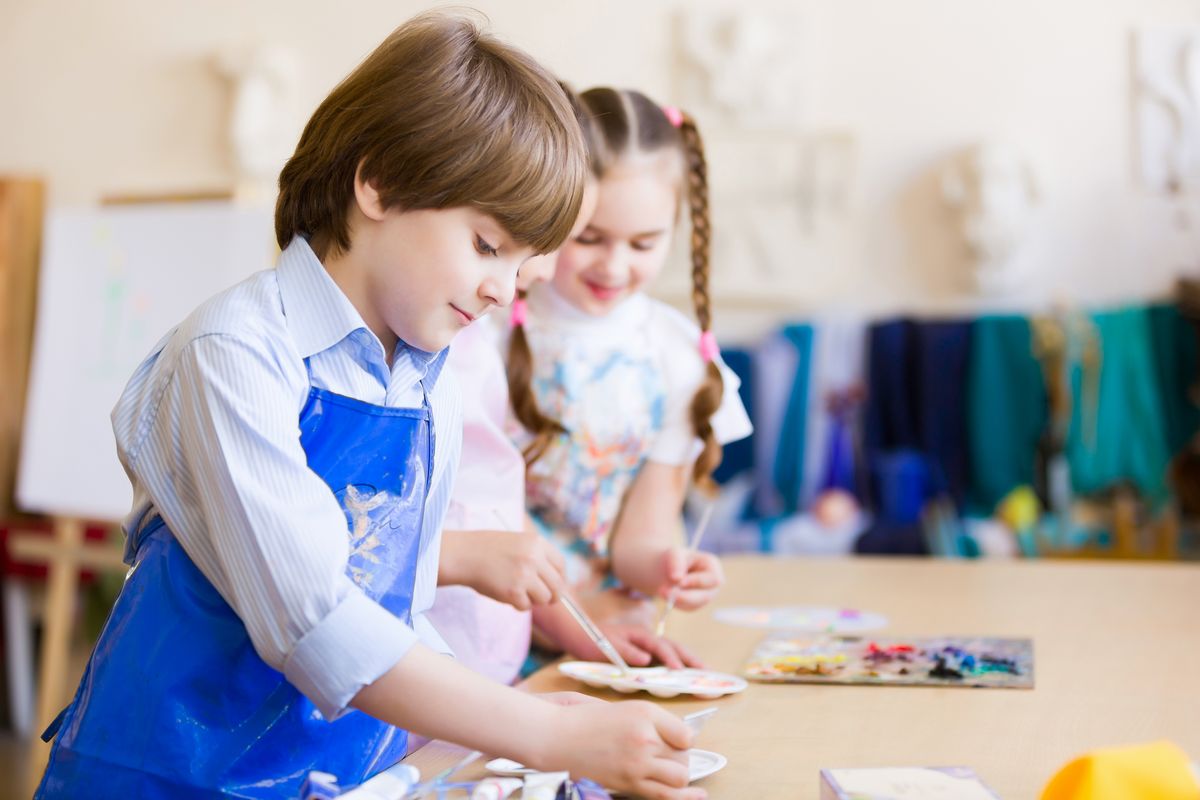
<point>319,315</point>
<point>426,365</point>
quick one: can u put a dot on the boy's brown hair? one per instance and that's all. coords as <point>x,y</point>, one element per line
<point>440,115</point>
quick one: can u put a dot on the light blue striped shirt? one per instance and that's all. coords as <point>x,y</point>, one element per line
<point>208,432</point>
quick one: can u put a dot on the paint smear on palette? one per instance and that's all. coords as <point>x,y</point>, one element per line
<point>659,681</point>
<point>687,680</point>
<point>802,618</point>
<point>660,676</point>
<point>932,661</point>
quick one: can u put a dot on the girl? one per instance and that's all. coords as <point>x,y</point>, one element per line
<point>626,400</point>
<point>481,611</point>
<point>291,445</point>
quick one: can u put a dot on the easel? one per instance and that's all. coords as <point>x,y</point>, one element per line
<point>64,553</point>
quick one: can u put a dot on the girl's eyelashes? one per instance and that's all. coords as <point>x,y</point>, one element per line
<point>644,244</point>
<point>483,247</point>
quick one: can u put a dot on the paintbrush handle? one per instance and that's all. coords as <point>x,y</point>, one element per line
<point>594,633</point>
<point>695,721</point>
<point>422,789</point>
<point>693,546</point>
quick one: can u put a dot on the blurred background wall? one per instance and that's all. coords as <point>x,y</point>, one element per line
<point>835,198</point>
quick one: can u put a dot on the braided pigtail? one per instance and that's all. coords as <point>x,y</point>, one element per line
<point>520,389</point>
<point>520,357</point>
<point>708,397</point>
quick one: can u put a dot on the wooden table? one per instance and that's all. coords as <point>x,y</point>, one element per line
<point>1116,659</point>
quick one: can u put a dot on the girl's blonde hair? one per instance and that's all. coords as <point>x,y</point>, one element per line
<point>623,123</point>
<point>440,115</point>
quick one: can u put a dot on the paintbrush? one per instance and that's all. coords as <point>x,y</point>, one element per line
<point>693,546</point>
<point>594,633</point>
<point>695,720</point>
<point>422,789</point>
<point>590,628</point>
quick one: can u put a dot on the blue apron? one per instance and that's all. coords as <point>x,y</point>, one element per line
<point>175,702</point>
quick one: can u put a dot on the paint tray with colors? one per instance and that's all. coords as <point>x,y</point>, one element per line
<point>921,661</point>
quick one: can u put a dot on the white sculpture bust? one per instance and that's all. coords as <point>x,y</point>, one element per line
<point>993,190</point>
<point>263,119</point>
<point>747,65</point>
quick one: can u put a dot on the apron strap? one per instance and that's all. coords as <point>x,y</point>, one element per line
<point>53,728</point>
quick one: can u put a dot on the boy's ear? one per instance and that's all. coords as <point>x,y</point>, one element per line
<point>367,197</point>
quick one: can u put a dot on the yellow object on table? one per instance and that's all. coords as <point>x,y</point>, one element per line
<point>1019,509</point>
<point>1155,771</point>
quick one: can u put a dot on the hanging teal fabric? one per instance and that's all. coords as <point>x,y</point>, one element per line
<point>1174,344</point>
<point>1006,409</point>
<point>1117,427</point>
<point>789,459</point>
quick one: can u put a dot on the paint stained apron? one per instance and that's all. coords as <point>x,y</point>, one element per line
<point>175,702</point>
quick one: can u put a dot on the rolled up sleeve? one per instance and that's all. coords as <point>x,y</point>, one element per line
<point>356,643</point>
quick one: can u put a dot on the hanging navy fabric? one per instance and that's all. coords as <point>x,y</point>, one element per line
<point>943,349</point>
<point>917,380</point>
<point>175,701</point>
<point>738,457</point>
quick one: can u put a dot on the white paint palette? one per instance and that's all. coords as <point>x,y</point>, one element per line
<point>658,681</point>
<point>701,764</point>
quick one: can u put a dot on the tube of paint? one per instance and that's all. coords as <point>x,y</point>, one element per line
<point>567,790</point>
<point>543,785</point>
<point>393,782</point>
<point>495,788</point>
<point>590,790</point>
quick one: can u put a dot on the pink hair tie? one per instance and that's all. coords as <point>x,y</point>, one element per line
<point>674,115</point>
<point>517,318</point>
<point>708,346</point>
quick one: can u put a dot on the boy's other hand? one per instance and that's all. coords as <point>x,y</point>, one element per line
<point>521,569</point>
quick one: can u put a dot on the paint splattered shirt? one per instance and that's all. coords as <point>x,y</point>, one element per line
<point>622,385</point>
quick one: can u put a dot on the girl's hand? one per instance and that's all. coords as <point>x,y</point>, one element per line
<point>521,569</point>
<point>632,747</point>
<point>694,576</point>
<point>636,644</point>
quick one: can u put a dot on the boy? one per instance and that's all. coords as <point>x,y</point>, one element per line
<point>291,446</point>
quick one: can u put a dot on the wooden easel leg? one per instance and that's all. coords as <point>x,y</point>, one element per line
<point>61,596</point>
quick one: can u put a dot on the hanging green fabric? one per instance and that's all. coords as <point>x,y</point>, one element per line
<point>1006,409</point>
<point>1117,427</point>
<point>789,460</point>
<point>1174,342</point>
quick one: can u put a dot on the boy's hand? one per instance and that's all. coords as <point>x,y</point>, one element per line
<point>697,576</point>
<point>633,747</point>
<point>521,569</point>
<point>636,644</point>
<point>567,698</point>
